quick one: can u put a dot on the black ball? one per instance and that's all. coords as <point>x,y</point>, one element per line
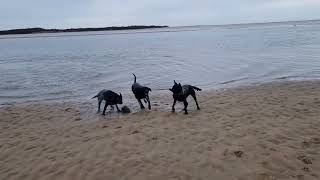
<point>125,109</point>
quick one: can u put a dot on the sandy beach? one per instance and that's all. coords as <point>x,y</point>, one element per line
<point>270,131</point>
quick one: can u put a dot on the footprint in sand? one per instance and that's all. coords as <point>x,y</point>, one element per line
<point>134,132</point>
<point>309,142</point>
<point>306,169</point>
<point>238,153</point>
<point>305,159</point>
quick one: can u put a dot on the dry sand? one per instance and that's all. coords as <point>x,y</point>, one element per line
<point>271,131</point>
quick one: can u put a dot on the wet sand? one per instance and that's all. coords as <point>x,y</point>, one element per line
<point>270,131</point>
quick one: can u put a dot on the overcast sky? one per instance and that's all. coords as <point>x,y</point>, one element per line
<point>100,13</point>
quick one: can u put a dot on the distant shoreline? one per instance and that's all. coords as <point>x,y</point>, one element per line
<point>42,30</point>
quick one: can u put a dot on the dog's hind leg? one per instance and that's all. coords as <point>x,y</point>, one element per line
<point>195,99</point>
<point>174,103</point>
<point>104,109</point>
<point>99,104</point>
<point>141,105</point>
<point>185,106</point>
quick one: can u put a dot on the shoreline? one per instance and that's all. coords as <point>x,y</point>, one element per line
<point>266,131</point>
<point>158,94</point>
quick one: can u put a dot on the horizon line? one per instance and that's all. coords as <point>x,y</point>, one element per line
<point>251,23</point>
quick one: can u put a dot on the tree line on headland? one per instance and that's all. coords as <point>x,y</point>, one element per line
<point>42,30</point>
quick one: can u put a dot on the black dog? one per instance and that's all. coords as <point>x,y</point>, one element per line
<point>140,92</point>
<point>180,93</point>
<point>110,97</point>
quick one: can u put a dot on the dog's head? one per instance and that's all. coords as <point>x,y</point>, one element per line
<point>176,88</point>
<point>119,99</point>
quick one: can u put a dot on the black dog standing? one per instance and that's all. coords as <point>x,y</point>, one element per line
<point>140,92</point>
<point>181,93</point>
<point>110,97</point>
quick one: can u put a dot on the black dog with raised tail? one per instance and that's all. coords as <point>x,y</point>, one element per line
<point>181,93</point>
<point>141,92</point>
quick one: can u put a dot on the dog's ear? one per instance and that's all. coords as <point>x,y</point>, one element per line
<point>179,84</point>
<point>120,95</point>
<point>170,90</point>
<point>174,81</point>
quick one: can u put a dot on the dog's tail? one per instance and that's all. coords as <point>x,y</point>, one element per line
<point>196,88</point>
<point>148,89</point>
<point>95,96</point>
<point>135,78</point>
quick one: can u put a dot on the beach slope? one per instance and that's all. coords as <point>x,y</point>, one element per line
<point>269,131</point>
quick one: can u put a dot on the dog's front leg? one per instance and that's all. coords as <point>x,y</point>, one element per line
<point>117,108</point>
<point>149,104</point>
<point>174,103</point>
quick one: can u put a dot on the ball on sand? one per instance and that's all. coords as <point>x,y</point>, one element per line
<point>125,109</point>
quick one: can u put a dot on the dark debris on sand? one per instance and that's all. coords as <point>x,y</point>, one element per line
<point>125,109</point>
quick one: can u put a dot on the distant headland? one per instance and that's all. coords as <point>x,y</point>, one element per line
<point>42,30</point>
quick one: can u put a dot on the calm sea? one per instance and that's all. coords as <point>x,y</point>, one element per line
<point>75,66</point>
